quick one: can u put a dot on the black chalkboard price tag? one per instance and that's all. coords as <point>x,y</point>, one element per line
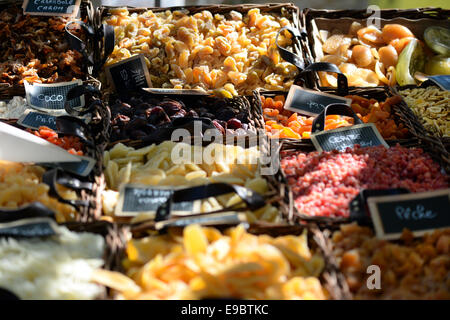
<point>81,168</point>
<point>136,199</point>
<point>189,92</point>
<point>29,228</point>
<point>419,212</point>
<point>310,102</point>
<point>52,97</point>
<point>366,135</point>
<point>34,120</point>
<point>65,8</point>
<point>129,75</point>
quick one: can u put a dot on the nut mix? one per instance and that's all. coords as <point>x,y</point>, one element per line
<point>225,54</point>
<point>34,49</point>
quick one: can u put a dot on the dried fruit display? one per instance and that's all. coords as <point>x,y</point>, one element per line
<point>72,144</point>
<point>203,263</point>
<point>22,184</point>
<point>410,268</point>
<point>144,116</point>
<point>368,56</point>
<point>183,165</point>
<point>34,49</point>
<point>432,106</point>
<point>281,123</point>
<point>227,54</point>
<point>323,184</point>
<point>14,108</point>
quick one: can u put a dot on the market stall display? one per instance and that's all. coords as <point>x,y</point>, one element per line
<point>262,206</point>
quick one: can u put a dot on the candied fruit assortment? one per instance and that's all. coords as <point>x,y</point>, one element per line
<point>204,263</point>
<point>281,123</point>
<point>34,49</point>
<point>323,184</point>
<point>227,55</point>
<point>410,268</point>
<point>72,144</point>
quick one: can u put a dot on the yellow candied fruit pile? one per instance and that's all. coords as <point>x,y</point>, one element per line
<point>203,263</point>
<point>21,185</point>
<point>222,54</point>
<point>410,268</point>
<point>183,165</point>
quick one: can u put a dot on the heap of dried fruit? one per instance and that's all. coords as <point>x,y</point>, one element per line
<point>204,263</point>
<point>281,123</point>
<point>142,117</point>
<point>183,165</point>
<point>323,184</point>
<point>432,107</point>
<point>410,269</point>
<point>72,144</point>
<point>366,55</point>
<point>34,49</point>
<point>22,184</point>
<point>229,55</point>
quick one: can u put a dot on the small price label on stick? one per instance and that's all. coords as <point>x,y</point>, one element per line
<point>129,75</point>
<point>52,97</point>
<point>34,120</point>
<point>135,199</point>
<point>65,8</point>
<point>28,228</point>
<point>419,212</point>
<point>366,135</point>
<point>309,102</point>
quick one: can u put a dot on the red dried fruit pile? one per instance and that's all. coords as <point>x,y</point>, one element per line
<point>72,144</point>
<point>324,184</point>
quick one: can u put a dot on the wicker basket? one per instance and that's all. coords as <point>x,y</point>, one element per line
<point>287,10</point>
<point>288,208</point>
<point>8,91</point>
<point>417,20</point>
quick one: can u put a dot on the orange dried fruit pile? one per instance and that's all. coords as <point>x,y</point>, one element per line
<point>72,144</point>
<point>281,123</point>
